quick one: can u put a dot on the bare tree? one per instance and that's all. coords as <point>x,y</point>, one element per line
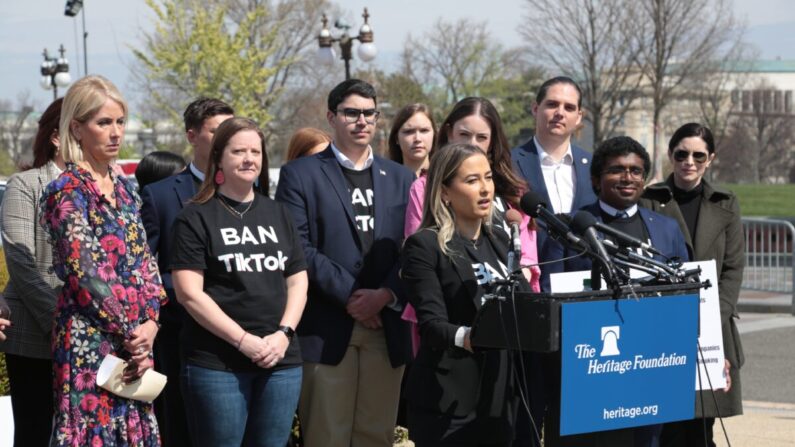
<point>16,135</point>
<point>714,90</point>
<point>685,37</point>
<point>461,55</point>
<point>761,136</point>
<point>595,42</point>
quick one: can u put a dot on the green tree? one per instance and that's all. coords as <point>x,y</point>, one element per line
<point>513,95</point>
<point>196,50</point>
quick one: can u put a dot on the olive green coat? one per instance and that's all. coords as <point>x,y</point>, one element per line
<point>719,236</point>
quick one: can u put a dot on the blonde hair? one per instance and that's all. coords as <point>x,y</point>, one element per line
<point>441,172</point>
<point>83,100</point>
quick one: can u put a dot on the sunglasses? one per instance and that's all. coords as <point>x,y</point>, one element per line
<point>352,115</point>
<point>682,155</point>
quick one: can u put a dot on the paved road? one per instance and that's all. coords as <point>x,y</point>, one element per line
<point>768,384</point>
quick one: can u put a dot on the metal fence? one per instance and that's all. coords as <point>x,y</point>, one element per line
<point>769,255</point>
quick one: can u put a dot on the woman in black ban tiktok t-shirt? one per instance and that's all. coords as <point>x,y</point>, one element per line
<point>238,269</point>
<point>245,261</point>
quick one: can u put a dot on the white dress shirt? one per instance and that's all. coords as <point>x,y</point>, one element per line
<point>196,172</point>
<point>346,162</point>
<point>559,178</point>
<point>609,210</point>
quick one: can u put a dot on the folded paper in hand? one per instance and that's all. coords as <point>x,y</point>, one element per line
<point>145,389</point>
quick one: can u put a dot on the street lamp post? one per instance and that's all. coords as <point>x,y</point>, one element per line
<point>55,72</point>
<point>72,8</point>
<point>366,51</point>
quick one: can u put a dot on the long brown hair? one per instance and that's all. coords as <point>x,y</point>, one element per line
<point>395,154</point>
<point>43,148</point>
<point>223,134</point>
<point>506,183</point>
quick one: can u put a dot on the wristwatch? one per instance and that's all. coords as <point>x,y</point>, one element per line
<point>288,331</point>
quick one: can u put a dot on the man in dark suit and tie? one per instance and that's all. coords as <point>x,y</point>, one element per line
<point>161,202</point>
<point>348,206</point>
<point>558,171</point>
<point>618,174</point>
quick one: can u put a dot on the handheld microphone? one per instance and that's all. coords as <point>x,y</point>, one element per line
<point>625,239</point>
<point>514,219</point>
<point>534,205</point>
<point>583,224</point>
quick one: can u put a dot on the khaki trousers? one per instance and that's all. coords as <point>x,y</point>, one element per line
<point>354,403</point>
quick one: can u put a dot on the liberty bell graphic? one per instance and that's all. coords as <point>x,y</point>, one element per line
<point>610,336</point>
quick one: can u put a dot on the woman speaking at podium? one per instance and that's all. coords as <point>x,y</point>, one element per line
<point>456,395</point>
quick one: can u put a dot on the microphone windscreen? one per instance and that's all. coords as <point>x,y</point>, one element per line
<point>530,203</point>
<point>563,217</point>
<point>582,221</point>
<point>513,217</point>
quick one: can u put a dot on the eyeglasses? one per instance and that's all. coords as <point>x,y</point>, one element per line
<point>682,155</point>
<point>352,115</point>
<point>633,171</point>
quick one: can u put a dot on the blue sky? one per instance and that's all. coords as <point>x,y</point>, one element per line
<point>27,27</point>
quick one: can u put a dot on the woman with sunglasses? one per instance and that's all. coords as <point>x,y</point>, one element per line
<point>709,217</point>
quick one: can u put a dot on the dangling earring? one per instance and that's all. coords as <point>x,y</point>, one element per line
<point>219,177</point>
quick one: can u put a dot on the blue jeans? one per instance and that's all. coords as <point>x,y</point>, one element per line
<point>234,409</point>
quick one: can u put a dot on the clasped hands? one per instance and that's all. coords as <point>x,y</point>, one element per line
<point>364,305</point>
<point>267,351</point>
<point>140,346</point>
<point>3,325</point>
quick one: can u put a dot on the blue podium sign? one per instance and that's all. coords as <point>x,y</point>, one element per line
<point>627,362</point>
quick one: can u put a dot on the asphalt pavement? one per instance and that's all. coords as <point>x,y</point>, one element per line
<point>767,329</point>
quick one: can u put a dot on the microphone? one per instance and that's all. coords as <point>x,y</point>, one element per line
<point>534,205</point>
<point>625,239</point>
<point>514,219</point>
<point>583,224</point>
<point>630,255</point>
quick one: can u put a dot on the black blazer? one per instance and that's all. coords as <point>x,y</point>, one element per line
<point>160,203</point>
<point>316,194</point>
<point>444,378</point>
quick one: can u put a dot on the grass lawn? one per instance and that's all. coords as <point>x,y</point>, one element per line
<point>765,200</point>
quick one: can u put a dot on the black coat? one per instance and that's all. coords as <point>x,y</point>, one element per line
<point>447,381</point>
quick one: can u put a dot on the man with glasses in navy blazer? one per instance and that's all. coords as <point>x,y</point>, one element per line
<point>348,206</point>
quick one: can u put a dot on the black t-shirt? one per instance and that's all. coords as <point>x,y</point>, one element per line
<point>245,261</point>
<point>360,187</point>
<point>486,265</point>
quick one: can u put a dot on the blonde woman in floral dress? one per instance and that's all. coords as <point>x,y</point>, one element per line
<point>112,293</point>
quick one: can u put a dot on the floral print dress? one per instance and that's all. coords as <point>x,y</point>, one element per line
<point>111,286</point>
